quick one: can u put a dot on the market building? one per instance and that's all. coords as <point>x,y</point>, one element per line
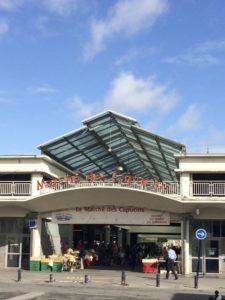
<point>112,182</point>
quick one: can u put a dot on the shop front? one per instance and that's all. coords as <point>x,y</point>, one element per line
<point>14,243</point>
<point>212,252</point>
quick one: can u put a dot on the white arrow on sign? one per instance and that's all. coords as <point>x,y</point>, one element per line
<point>200,234</point>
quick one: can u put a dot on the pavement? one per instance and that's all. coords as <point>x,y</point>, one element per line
<point>105,284</point>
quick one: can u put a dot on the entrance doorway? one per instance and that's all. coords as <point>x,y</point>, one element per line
<point>18,251</point>
<point>209,257</point>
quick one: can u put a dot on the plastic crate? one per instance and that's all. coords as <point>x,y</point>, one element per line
<point>45,267</point>
<point>35,265</point>
<point>57,266</point>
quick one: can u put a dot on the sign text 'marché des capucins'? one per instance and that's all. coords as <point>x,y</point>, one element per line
<point>93,177</point>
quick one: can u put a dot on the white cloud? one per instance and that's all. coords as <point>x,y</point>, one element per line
<point>4,27</point>
<point>135,54</point>
<point>42,89</point>
<point>189,120</point>
<point>61,7</point>
<point>40,23</point>
<point>80,109</point>
<point>126,17</point>
<point>210,140</point>
<point>216,139</point>
<point>130,94</point>
<point>10,5</point>
<point>129,56</point>
<point>196,59</point>
<point>211,46</point>
<point>204,54</point>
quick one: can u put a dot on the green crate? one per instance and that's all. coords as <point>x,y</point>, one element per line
<point>45,267</point>
<point>35,265</point>
<point>57,266</point>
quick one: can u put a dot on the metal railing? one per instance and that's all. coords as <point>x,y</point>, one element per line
<point>197,188</point>
<point>15,188</point>
<point>166,188</point>
<point>208,188</point>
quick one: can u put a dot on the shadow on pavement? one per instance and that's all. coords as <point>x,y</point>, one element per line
<point>187,296</point>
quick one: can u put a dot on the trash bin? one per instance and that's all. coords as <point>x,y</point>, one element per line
<point>149,265</point>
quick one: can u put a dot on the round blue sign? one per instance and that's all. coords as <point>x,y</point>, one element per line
<point>200,234</point>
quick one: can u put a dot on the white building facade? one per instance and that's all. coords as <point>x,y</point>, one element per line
<point>131,206</point>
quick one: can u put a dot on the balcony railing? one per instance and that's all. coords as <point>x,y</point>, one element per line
<point>15,188</point>
<point>208,188</point>
<point>197,188</point>
<point>166,188</point>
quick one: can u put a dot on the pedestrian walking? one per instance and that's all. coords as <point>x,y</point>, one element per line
<point>170,263</point>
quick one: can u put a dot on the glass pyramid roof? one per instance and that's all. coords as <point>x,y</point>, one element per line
<point>110,141</point>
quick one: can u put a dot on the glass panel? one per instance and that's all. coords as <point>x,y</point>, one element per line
<point>195,247</point>
<point>216,228</point>
<point>223,229</point>
<point>13,245</point>
<point>212,265</point>
<point>116,132</point>
<point>13,261</point>
<point>212,249</point>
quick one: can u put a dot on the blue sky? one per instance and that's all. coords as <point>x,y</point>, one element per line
<point>161,62</point>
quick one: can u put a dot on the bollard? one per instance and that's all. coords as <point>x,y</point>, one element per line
<point>51,279</point>
<point>123,278</point>
<point>81,264</point>
<point>87,279</point>
<point>157,280</point>
<point>196,282</point>
<point>19,275</point>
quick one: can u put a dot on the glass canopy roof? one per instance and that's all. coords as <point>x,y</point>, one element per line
<point>109,142</point>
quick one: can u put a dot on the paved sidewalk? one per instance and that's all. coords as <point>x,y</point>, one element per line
<point>102,281</point>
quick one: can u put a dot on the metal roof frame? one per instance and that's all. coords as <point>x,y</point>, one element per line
<point>109,140</point>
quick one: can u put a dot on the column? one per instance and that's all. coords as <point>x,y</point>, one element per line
<point>127,238</point>
<point>107,234</point>
<point>185,185</point>
<point>119,237</point>
<point>185,236</point>
<point>35,245</point>
<point>70,235</point>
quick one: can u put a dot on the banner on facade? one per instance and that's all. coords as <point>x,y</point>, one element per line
<point>122,215</point>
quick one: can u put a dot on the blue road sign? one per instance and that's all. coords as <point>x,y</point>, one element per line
<point>200,234</point>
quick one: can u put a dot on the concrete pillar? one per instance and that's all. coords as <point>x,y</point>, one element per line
<point>185,185</point>
<point>127,238</point>
<point>70,235</point>
<point>36,239</point>
<point>119,237</point>
<point>185,235</point>
<point>54,236</point>
<point>107,234</point>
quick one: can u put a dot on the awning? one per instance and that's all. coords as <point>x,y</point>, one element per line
<point>109,142</point>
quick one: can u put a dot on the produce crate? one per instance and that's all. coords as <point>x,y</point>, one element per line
<point>57,266</point>
<point>35,265</point>
<point>45,266</point>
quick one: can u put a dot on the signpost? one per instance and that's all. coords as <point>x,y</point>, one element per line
<point>200,234</point>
